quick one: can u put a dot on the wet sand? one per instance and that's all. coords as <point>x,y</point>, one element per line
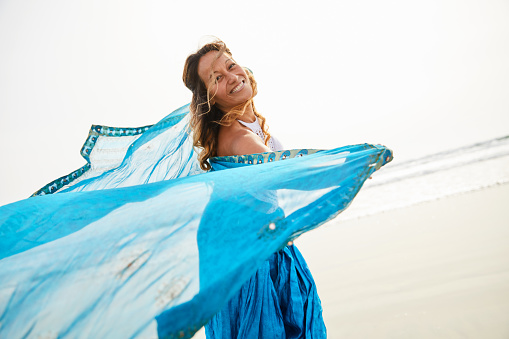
<point>435,270</point>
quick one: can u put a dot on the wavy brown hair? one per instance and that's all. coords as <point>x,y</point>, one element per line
<point>206,119</point>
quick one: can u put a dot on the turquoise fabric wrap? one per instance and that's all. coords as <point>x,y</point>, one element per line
<point>125,252</point>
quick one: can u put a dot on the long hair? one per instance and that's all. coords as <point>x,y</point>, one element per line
<point>206,119</point>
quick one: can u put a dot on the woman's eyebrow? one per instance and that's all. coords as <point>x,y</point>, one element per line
<point>212,74</point>
<point>226,62</point>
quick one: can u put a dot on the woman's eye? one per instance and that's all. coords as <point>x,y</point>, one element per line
<point>231,66</point>
<point>218,77</point>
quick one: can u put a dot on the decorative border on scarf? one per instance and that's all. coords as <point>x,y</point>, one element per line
<point>57,184</point>
<point>97,130</point>
<point>260,158</point>
<point>93,135</point>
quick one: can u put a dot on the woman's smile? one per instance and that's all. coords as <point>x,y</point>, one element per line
<point>239,87</point>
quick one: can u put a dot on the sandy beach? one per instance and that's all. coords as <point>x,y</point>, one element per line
<point>435,270</point>
<point>439,269</point>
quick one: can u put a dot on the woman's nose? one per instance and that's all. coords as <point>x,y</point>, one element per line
<point>232,78</point>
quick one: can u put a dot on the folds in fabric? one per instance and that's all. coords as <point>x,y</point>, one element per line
<point>279,301</point>
<point>105,258</point>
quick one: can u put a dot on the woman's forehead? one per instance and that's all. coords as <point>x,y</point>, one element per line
<point>210,62</point>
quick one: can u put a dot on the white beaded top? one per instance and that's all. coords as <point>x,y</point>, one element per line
<point>273,143</point>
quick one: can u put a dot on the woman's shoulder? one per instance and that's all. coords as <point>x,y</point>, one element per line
<point>238,140</point>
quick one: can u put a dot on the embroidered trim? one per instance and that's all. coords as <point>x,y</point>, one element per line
<point>260,158</point>
<point>93,135</point>
<point>95,132</point>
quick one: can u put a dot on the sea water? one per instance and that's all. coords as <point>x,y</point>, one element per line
<point>432,177</point>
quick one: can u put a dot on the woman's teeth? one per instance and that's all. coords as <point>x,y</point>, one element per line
<point>238,87</point>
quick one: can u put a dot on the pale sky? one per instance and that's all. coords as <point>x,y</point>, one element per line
<point>417,76</point>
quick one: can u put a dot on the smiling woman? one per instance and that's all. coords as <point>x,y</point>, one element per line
<point>280,300</point>
<point>224,119</point>
<point>143,244</point>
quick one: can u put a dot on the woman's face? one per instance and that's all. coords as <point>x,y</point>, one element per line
<point>226,81</point>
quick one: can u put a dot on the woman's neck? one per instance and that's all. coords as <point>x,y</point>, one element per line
<point>248,115</point>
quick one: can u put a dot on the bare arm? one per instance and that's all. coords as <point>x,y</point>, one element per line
<point>248,143</point>
<point>239,142</point>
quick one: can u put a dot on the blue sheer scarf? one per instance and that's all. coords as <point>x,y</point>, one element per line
<point>123,251</point>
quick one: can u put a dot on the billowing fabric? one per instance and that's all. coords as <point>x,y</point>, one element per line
<point>121,157</point>
<point>124,252</point>
<point>279,301</point>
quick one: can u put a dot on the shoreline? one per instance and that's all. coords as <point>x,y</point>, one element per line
<point>345,216</point>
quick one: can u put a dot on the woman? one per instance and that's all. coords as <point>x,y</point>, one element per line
<point>222,104</point>
<point>129,252</point>
<point>280,300</point>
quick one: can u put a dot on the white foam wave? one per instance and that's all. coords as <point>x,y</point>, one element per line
<point>433,177</point>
